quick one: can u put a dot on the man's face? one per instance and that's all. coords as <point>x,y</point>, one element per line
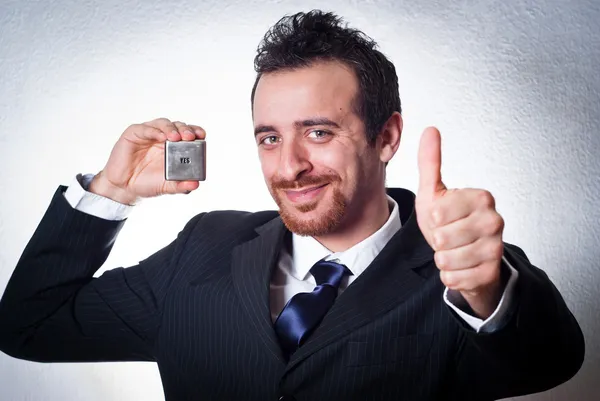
<point>312,147</point>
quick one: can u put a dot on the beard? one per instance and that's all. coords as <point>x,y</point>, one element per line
<point>292,215</point>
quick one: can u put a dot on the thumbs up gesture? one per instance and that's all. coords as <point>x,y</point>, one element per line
<point>463,228</point>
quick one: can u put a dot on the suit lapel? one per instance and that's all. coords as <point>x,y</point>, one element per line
<point>388,281</point>
<point>252,265</point>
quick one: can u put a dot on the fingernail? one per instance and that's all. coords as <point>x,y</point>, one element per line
<point>188,132</point>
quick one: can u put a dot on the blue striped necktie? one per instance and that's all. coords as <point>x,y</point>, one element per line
<point>304,311</point>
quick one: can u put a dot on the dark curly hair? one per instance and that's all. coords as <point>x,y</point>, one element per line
<point>304,38</point>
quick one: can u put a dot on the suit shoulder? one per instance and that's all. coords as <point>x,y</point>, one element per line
<point>229,222</point>
<point>239,218</point>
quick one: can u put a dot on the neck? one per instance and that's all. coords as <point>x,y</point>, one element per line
<point>369,217</point>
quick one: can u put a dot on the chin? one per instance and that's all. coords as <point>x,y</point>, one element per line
<point>313,218</point>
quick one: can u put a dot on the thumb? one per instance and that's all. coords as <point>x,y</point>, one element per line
<point>180,187</point>
<point>430,163</point>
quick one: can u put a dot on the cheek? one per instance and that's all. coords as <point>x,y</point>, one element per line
<point>334,158</point>
<point>360,170</point>
<point>267,165</point>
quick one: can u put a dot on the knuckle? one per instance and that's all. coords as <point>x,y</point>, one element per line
<point>494,224</point>
<point>162,120</point>
<point>439,239</point>
<point>437,214</point>
<point>183,127</point>
<point>498,223</point>
<point>486,199</point>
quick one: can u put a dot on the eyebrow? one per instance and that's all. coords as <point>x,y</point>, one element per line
<point>299,124</point>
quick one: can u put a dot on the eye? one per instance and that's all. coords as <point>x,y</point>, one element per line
<point>319,133</point>
<point>269,140</point>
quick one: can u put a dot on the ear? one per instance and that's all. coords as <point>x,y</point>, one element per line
<point>389,139</point>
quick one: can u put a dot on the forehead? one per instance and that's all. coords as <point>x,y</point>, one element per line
<point>324,89</point>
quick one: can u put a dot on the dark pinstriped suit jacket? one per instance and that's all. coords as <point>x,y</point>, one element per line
<point>200,309</point>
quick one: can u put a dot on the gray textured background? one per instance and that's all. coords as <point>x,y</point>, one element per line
<point>513,87</point>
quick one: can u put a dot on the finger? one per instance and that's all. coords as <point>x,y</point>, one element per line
<point>453,206</point>
<point>468,256</point>
<point>185,131</point>
<point>199,131</point>
<point>166,126</point>
<point>480,276</point>
<point>465,231</point>
<point>180,187</point>
<point>459,203</point>
<point>187,186</point>
<point>430,163</point>
<point>454,235</point>
<point>147,133</point>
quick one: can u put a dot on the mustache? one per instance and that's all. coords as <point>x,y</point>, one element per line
<point>302,182</point>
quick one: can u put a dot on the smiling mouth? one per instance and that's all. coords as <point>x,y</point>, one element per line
<point>305,194</point>
<point>305,191</point>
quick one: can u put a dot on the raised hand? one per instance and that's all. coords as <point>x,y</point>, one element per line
<point>135,168</point>
<point>463,228</point>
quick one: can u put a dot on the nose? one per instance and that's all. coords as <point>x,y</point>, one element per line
<point>293,161</point>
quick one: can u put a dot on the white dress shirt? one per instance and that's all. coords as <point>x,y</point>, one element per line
<point>292,274</point>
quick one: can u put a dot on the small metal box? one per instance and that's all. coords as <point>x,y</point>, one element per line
<point>185,160</point>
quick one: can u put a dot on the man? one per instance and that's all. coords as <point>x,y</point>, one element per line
<point>350,292</point>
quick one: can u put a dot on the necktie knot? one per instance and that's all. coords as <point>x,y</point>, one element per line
<point>329,273</point>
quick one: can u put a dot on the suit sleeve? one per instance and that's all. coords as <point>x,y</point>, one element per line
<point>539,348</point>
<point>54,310</point>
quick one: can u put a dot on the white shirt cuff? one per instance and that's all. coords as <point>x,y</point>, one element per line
<point>498,318</point>
<point>80,199</point>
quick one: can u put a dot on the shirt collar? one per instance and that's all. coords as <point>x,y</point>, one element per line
<point>306,251</point>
